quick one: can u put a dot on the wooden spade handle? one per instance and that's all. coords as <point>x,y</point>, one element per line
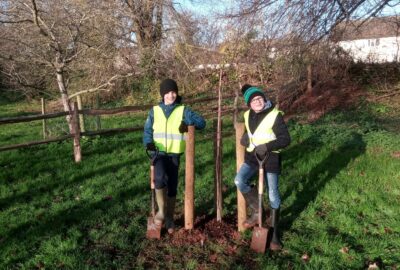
<point>260,194</point>
<point>152,185</point>
<point>260,181</point>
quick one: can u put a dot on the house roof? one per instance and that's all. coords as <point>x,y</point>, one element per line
<point>377,27</point>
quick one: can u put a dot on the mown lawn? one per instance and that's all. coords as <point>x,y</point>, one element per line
<point>340,190</point>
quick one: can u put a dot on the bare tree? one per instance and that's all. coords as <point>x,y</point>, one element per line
<point>289,37</point>
<point>309,19</point>
<point>145,27</point>
<point>52,37</point>
<point>155,28</point>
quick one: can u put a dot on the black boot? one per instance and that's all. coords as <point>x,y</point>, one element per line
<point>252,202</point>
<point>276,243</point>
<point>169,215</point>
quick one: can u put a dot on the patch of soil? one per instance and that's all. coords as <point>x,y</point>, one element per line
<point>323,98</point>
<point>199,244</point>
<point>206,229</point>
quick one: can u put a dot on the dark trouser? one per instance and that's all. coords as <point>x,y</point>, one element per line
<point>166,173</point>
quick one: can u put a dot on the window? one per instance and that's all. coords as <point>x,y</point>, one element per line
<point>371,43</point>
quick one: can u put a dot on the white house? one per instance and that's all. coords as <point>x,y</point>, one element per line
<point>375,40</point>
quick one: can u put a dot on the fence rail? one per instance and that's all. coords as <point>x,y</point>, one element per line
<point>28,118</point>
<point>27,144</point>
<point>76,133</point>
<point>95,112</point>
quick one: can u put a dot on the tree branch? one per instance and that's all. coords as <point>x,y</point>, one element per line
<point>101,87</point>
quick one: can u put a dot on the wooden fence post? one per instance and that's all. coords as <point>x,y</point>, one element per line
<point>218,169</point>
<point>76,133</point>
<point>189,179</point>
<point>44,120</point>
<point>309,79</point>
<point>241,203</point>
<point>98,123</point>
<point>81,119</point>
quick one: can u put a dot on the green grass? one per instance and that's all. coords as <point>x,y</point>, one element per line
<point>340,189</point>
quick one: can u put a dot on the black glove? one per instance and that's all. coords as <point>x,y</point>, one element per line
<point>245,140</point>
<point>261,150</point>
<point>183,127</point>
<point>151,147</point>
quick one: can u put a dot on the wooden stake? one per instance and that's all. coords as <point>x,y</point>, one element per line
<point>44,120</point>
<point>76,133</point>
<point>241,203</point>
<point>218,171</point>
<point>189,179</point>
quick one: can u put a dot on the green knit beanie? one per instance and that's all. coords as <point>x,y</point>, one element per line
<point>252,92</point>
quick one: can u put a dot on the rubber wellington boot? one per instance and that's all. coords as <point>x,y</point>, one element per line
<point>276,243</point>
<point>160,198</point>
<point>252,202</point>
<point>169,215</point>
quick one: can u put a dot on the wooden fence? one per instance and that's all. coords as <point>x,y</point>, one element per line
<point>77,116</point>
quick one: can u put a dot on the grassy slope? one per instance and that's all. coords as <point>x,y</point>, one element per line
<point>340,190</point>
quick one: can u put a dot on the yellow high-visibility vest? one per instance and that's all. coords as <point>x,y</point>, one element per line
<point>166,133</point>
<point>263,133</point>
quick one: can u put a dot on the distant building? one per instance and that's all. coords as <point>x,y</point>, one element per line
<point>375,40</point>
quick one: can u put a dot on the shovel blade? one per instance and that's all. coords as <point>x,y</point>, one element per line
<point>259,239</point>
<point>153,230</point>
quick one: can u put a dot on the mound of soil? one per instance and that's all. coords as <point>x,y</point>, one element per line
<point>207,229</point>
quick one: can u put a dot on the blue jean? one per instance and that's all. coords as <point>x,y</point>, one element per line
<point>242,181</point>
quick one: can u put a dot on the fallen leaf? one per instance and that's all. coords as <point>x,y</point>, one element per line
<point>396,154</point>
<point>388,230</point>
<point>372,266</point>
<point>305,257</point>
<point>344,250</point>
<point>213,258</point>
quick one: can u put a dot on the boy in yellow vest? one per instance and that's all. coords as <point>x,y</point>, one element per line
<point>164,130</point>
<point>266,134</point>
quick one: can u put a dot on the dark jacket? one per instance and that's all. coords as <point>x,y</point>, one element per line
<point>273,164</point>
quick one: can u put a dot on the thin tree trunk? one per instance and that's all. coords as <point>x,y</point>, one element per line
<point>64,97</point>
<point>218,159</point>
